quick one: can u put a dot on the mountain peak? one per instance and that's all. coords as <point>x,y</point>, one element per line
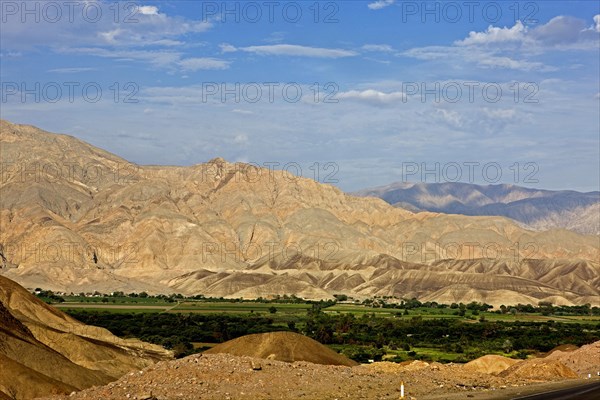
<point>106,224</point>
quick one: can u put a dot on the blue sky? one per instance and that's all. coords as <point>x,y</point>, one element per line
<point>369,90</point>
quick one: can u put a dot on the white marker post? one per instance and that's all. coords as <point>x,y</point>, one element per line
<point>402,390</point>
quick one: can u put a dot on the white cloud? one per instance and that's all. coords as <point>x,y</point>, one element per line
<point>72,70</point>
<point>495,120</point>
<point>503,113</point>
<point>429,53</point>
<point>488,120</point>
<point>495,35</point>
<point>11,54</point>
<point>158,58</point>
<point>239,111</point>
<point>156,30</point>
<point>204,63</point>
<point>165,59</point>
<point>227,48</point>
<point>509,63</point>
<point>384,48</point>
<point>275,37</point>
<point>292,50</point>
<point>482,57</point>
<point>449,117</point>
<point>240,139</point>
<point>148,10</point>
<point>515,48</point>
<point>559,30</point>
<point>386,62</point>
<point>149,27</point>
<point>562,32</point>
<point>110,36</point>
<point>153,28</point>
<point>379,4</point>
<point>372,96</point>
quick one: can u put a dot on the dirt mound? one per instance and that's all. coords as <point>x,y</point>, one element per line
<point>490,364</point>
<point>282,346</point>
<point>390,367</point>
<point>585,360</point>
<point>539,369</point>
<point>562,347</point>
<point>44,351</point>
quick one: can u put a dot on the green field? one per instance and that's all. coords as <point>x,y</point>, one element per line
<point>149,305</point>
<point>249,307</point>
<point>187,307</point>
<point>360,331</point>
<point>117,300</point>
<point>373,329</point>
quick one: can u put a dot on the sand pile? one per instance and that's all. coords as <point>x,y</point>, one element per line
<point>490,364</point>
<point>391,368</point>
<point>585,360</point>
<point>539,369</point>
<point>282,346</point>
<point>564,348</point>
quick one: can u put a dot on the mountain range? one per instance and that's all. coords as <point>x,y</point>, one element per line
<point>535,208</point>
<point>77,218</point>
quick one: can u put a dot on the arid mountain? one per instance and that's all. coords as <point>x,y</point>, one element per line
<point>538,209</point>
<point>76,218</point>
<point>41,344</point>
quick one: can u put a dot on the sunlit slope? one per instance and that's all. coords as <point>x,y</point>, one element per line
<point>77,218</point>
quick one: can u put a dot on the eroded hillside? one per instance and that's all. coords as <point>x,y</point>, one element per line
<point>43,345</point>
<point>76,218</point>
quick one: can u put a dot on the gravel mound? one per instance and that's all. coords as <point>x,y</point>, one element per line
<point>564,348</point>
<point>390,367</point>
<point>585,360</point>
<point>282,346</point>
<point>490,364</point>
<point>539,369</point>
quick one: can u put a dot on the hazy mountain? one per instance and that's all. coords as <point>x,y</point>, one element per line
<point>40,344</point>
<point>76,218</point>
<point>538,209</point>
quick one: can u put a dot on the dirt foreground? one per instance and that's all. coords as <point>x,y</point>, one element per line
<point>222,376</point>
<point>225,376</point>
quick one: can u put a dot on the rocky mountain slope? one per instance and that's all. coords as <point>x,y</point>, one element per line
<point>43,345</point>
<point>538,209</point>
<point>76,218</point>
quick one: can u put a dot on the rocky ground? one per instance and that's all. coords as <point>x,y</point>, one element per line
<point>222,376</point>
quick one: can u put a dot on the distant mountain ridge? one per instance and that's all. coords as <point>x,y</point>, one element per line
<point>536,208</point>
<point>233,230</point>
